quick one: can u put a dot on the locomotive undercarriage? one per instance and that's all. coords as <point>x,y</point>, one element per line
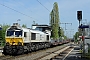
<point>13,50</point>
<point>28,47</point>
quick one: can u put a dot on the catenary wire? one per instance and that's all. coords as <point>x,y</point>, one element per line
<point>17,11</point>
<point>43,6</point>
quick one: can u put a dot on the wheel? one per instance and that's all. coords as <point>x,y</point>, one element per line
<point>20,50</point>
<point>7,50</point>
<point>4,51</point>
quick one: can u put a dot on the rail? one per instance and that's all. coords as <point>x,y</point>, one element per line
<point>48,57</point>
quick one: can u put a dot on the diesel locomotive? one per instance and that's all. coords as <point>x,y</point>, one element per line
<point>20,40</point>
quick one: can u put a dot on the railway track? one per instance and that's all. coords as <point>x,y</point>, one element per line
<point>3,57</point>
<point>35,55</point>
<point>62,55</point>
<point>54,54</point>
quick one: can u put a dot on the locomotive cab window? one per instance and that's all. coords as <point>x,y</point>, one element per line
<point>18,33</point>
<point>25,34</point>
<point>10,33</point>
<point>33,36</point>
<point>47,37</point>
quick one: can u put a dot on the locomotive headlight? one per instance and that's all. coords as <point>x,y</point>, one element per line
<point>19,43</point>
<point>7,43</point>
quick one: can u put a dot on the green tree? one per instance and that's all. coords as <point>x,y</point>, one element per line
<point>4,28</point>
<point>2,32</point>
<point>76,36</point>
<point>62,32</point>
<point>54,21</point>
<point>24,26</point>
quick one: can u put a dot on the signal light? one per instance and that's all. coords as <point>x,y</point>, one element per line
<point>79,15</point>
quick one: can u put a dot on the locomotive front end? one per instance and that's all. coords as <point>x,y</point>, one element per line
<point>14,41</point>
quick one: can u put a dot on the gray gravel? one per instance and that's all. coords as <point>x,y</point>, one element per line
<point>39,54</point>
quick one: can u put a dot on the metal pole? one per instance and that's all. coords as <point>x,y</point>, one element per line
<point>83,41</point>
<point>79,23</point>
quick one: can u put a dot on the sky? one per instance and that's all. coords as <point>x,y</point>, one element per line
<point>28,11</point>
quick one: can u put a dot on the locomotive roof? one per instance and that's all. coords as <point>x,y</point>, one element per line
<point>39,25</point>
<point>42,26</point>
